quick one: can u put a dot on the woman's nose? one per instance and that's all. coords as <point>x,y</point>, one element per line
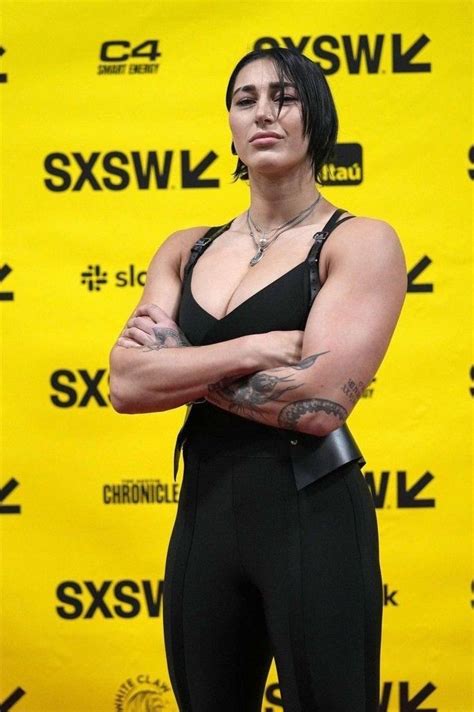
<point>264,111</point>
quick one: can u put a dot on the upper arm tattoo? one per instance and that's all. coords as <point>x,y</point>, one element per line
<point>352,390</point>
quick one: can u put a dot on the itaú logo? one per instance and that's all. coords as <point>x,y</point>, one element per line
<point>121,170</point>
<point>345,166</point>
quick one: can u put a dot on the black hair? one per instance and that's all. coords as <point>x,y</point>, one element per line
<point>319,114</point>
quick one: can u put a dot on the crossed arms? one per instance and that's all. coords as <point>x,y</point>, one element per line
<point>307,381</point>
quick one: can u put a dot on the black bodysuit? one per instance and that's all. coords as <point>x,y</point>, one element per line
<point>274,551</point>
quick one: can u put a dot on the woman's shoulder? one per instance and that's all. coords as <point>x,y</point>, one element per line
<point>176,248</point>
<point>366,233</point>
<point>366,239</point>
<point>368,225</point>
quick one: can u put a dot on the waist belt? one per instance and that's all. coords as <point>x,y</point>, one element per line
<point>311,456</point>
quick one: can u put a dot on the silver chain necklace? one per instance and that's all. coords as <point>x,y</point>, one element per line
<point>263,242</point>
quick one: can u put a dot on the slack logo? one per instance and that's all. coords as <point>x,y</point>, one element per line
<point>94,277</point>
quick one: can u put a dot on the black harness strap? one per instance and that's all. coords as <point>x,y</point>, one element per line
<point>319,240</point>
<point>202,244</point>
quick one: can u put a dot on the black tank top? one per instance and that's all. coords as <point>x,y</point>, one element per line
<point>282,305</point>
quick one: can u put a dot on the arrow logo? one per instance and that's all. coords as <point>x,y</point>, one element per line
<point>413,274</point>
<point>4,272</point>
<point>407,495</point>
<point>9,508</point>
<point>3,76</point>
<point>401,62</point>
<point>11,700</point>
<point>190,176</point>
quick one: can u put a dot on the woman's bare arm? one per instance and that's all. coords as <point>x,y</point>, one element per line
<point>346,337</point>
<point>159,375</point>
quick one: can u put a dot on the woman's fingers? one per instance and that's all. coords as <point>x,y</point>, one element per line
<point>139,329</point>
<point>153,311</point>
<point>128,343</point>
<point>138,335</point>
<point>145,323</point>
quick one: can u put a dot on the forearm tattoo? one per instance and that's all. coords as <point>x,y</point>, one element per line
<point>292,412</point>
<point>165,337</point>
<point>247,395</point>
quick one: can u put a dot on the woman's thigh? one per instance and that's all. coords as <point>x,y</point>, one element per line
<point>314,555</point>
<point>217,645</point>
<point>342,590</point>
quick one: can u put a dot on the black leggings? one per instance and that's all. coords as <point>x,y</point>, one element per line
<point>256,569</point>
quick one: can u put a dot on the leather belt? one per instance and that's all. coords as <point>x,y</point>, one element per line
<point>312,456</point>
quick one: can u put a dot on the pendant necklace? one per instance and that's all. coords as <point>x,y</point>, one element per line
<point>263,243</point>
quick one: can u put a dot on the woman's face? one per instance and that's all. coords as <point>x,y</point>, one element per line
<point>265,141</point>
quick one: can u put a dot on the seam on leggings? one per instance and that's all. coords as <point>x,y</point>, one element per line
<point>302,608</point>
<point>234,516</point>
<point>195,494</point>
<point>242,700</point>
<point>357,531</point>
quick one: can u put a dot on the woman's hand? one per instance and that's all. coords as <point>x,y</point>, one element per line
<point>280,348</point>
<point>150,328</point>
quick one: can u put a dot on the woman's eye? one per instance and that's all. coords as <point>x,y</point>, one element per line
<point>287,98</point>
<point>244,102</point>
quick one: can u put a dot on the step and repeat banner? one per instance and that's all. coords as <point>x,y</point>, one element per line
<point>115,135</point>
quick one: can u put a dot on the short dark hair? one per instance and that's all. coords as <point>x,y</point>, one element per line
<point>320,121</point>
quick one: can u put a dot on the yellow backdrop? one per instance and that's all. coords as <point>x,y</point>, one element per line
<point>115,135</point>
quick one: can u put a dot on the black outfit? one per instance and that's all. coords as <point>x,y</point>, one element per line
<point>274,550</point>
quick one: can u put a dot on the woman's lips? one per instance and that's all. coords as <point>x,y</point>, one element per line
<point>264,140</point>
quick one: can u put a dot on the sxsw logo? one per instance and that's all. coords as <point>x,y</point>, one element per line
<point>401,697</point>
<point>411,697</point>
<point>125,598</point>
<point>119,170</point>
<point>406,495</point>
<point>79,388</point>
<point>359,54</point>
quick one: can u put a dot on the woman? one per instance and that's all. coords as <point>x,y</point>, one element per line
<point>274,551</point>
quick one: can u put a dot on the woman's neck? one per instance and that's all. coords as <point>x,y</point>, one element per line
<point>274,200</point>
